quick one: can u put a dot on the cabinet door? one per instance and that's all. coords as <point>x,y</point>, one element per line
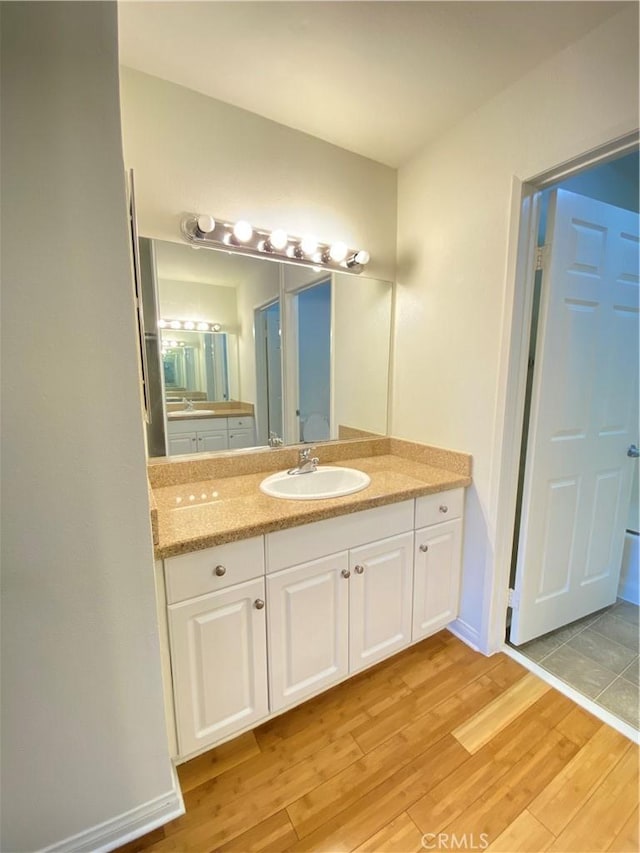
<point>209,440</point>
<point>182,443</point>
<point>308,623</point>
<point>380,599</point>
<point>219,659</point>
<point>436,583</point>
<point>240,438</point>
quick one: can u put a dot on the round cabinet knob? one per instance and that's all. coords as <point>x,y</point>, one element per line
<point>424,548</point>
<point>359,570</point>
<point>258,604</point>
<point>220,571</point>
<point>443,508</point>
<point>346,573</point>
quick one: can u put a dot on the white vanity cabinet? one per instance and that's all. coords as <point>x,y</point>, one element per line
<point>217,635</point>
<point>380,600</point>
<point>438,547</point>
<point>204,435</point>
<point>308,623</point>
<point>260,625</point>
<point>197,435</point>
<point>241,433</point>
<point>337,614</point>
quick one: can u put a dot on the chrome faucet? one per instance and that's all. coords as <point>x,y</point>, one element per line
<point>275,440</point>
<point>306,463</point>
<point>188,404</point>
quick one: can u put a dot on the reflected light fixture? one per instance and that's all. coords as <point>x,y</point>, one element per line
<point>190,325</point>
<point>202,230</point>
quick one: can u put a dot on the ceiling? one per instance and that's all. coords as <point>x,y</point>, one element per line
<point>381,79</point>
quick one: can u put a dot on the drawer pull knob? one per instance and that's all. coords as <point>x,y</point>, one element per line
<point>359,570</point>
<point>424,548</point>
<point>258,604</point>
<point>346,573</point>
<point>220,571</point>
<point>443,508</point>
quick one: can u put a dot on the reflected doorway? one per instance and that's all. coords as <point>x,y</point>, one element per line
<point>269,373</point>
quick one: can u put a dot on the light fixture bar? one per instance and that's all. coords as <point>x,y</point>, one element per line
<point>188,325</point>
<point>275,245</point>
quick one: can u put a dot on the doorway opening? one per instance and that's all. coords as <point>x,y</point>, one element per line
<point>268,335</point>
<point>574,582</point>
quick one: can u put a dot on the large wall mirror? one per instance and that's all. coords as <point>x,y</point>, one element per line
<point>245,352</point>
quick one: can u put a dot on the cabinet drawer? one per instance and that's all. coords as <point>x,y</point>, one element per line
<point>240,438</point>
<point>442,506</point>
<point>190,575</point>
<point>176,425</point>
<point>240,423</point>
<point>309,542</point>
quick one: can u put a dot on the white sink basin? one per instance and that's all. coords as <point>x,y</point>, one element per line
<point>192,413</point>
<point>325,482</point>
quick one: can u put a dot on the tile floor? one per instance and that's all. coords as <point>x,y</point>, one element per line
<point>598,655</point>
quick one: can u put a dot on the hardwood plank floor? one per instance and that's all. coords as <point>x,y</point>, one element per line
<point>437,748</point>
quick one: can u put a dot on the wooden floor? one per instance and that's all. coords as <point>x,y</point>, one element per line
<point>438,739</point>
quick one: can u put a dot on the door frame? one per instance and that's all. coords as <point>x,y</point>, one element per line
<point>522,243</point>
<point>262,404</point>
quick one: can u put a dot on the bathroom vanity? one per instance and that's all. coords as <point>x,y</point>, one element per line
<point>267,602</point>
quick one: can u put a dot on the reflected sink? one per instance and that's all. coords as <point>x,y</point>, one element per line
<point>325,482</point>
<point>192,413</point>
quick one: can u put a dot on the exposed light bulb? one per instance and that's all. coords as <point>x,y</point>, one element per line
<point>338,252</point>
<point>189,324</point>
<point>203,327</point>
<point>176,324</point>
<point>216,327</point>
<point>279,239</point>
<point>242,231</point>
<point>206,224</point>
<point>162,324</point>
<point>309,245</point>
<point>359,258</point>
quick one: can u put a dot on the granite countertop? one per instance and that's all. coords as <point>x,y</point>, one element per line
<point>200,514</point>
<point>217,413</point>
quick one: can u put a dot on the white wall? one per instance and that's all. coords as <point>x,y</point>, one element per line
<point>192,153</point>
<point>454,298</point>
<point>251,293</point>
<point>361,341</point>
<point>83,736</point>
<point>198,300</point>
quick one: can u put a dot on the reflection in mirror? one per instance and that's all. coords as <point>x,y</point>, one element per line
<point>300,355</point>
<point>195,365</point>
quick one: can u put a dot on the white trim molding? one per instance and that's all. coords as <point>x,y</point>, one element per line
<point>467,634</point>
<point>125,827</point>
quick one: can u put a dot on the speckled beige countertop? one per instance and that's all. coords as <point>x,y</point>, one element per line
<point>216,413</point>
<point>217,507</point>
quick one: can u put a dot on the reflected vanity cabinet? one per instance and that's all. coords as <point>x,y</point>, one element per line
<point>204,435</point>
<point>260,625</point>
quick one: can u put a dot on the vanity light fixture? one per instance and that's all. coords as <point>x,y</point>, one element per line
<point>190,325</point>
<point>241,237</point>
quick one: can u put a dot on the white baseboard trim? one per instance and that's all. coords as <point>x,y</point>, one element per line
<point>588,704</point>
<point>127,826</point>
<point>466,633</point>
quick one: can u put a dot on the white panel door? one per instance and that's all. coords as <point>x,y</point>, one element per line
<point>436,579</point>
<point>210,440</point>
<point>380,600</point>
<point>584,417</point>
<point>308,623</point>
<point>182,443</point>
<point>219,660</point>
